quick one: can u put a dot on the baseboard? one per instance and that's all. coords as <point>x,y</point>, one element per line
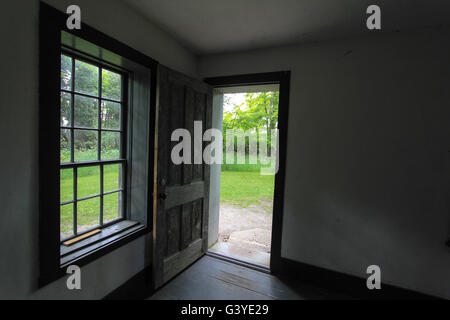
<point>339,282</point>
<point>136,288</point>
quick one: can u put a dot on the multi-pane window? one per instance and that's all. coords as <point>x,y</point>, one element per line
<point>93,151</point>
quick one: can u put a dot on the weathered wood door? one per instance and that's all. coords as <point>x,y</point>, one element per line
<point>180,226</point>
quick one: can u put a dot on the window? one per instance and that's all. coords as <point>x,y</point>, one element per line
<point>97,102</point>
<point>93,146</point>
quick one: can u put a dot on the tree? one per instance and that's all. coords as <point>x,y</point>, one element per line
<point>86,109</point>
<point>259,113</point>
<point>264,107</point>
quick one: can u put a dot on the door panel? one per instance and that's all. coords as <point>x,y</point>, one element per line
<point>180,227</point>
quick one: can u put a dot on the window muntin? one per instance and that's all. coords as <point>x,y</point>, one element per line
<point>93,152</point>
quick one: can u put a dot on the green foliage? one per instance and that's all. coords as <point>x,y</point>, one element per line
<point>259,112</point>
<point>66,72</point>
<point>86,111</point>
<point>86,78</point>
<point>111,84</point>
<point>258,115</point>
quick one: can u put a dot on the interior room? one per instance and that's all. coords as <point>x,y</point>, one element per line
<point>120,179</point>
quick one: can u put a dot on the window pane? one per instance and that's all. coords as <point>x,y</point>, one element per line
<point>66,185</point>
<point>65,141</point>
<point>86,145</point>
<point>66,226</point>
<point>88,214</point>
<point>66,72</point>
<point>110,145</point>
<point>86,78</point>
<point>86,112</point>
<point>110,115</point>
<point>111,85</point>
<point>112,206</point>
<point>111,177</point>
<point>88,183</point>
<point>66,99</point>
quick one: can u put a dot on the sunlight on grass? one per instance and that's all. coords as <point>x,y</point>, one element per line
<point>66,220</point>
<point>88,211</point>
<point>88,214</point>
<point>110,207</point>
<point>245,188</point>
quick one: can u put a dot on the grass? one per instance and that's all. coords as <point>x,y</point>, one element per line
<point>243,188</point>
<point>89,154</point>
<point>241,185</point>
<point>252,163</point>
<point>88,211</point>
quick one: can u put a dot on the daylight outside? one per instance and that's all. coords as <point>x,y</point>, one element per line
<point>92,171</point>
<point>91,133</point>
<point>246,191</point>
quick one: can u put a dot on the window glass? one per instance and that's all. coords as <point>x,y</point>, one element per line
<point>112,206</point>
<point>66,182</point>
<point>86,145</point>
<point>86,112</point>
<point>91,180</point>
<point>65,143</point>
<point>111,115</point>
<point>88,214</point>
<point>111,177</point>
<point>88,181</point>
<point>110,145</point>
<point>86,78</point>
<point>66,105</point>
<point>66,218</point>
<point>66,72</point>
<point>111,85</point>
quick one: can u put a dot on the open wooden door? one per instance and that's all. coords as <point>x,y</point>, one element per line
<point>180,224</point>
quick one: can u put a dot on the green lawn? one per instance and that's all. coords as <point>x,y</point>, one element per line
<point>252,162</point>
<point>241,188</point>
<point>88,211</point>
<point>244,188</point>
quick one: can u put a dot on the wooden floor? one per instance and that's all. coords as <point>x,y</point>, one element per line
<point>213,279</point>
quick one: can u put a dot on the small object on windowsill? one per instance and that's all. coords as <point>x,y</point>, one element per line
<point>77,239</point>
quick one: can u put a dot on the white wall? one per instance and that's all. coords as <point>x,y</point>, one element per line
<point>19,265</point>
<point>214,188</point>
<point>368,140</point>
<point>125,24</point>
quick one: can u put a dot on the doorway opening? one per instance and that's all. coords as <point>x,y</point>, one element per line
<point>242,186</point>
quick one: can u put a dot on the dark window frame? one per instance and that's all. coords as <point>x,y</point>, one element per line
<point>51,24</point>
<point>123,131</point>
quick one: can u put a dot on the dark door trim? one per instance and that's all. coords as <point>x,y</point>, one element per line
<point>283,79</point>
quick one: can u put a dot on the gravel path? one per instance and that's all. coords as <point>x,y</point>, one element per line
<point>249,227</point>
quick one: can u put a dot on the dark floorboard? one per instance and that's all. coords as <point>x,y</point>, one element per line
<point>213,279</point>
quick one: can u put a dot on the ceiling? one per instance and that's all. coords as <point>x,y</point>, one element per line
<point>210,26</point>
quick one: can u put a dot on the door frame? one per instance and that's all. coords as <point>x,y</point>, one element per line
<point>283,79</point>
